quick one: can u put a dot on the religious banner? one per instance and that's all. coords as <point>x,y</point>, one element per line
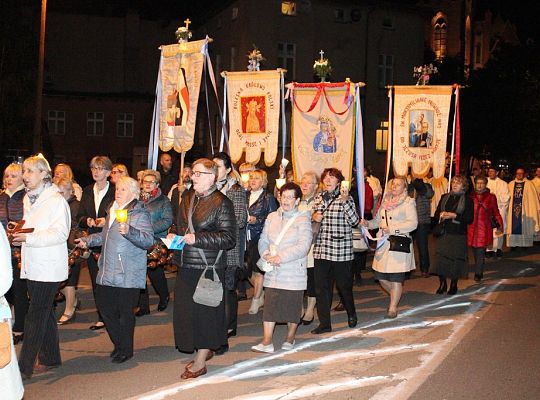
<point>420,126</point>
<point>253,99</point>
<point>322,127</point>
<point>179,81</point>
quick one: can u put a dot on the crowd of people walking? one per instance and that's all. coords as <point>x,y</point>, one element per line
<point>291,245</point>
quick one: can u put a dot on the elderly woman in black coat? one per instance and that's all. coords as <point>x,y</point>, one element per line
<point>206,219</point>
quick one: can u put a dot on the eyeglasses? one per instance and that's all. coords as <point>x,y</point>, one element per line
<point>114,172</point>
<point>199,173</point>
<point>288,198</point>
<point>149,182</point>
<point>97,169</point>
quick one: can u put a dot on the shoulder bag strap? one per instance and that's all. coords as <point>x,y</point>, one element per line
<point>285,229</point>
<point>192,230</point>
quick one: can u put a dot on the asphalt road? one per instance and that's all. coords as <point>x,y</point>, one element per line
<point>482,343</point>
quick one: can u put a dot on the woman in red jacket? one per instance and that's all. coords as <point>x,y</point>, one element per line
<point>480,232</point>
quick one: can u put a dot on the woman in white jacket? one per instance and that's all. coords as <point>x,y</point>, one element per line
<point>284,245</point>
<point>10,377</point>
<point>397,216</point>
<point>44,264</point>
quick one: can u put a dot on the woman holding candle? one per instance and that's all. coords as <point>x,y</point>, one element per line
<point>284,244</point>
<point>261,203</point>
<point>44,265</point>
<point>95,201</point>
<point>334,209</point>
<point>122,265</point>
<point>160,209</point>
<point>11,210</point>
<point>206,219</point>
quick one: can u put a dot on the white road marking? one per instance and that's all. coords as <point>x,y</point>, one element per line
<point>465,304</point>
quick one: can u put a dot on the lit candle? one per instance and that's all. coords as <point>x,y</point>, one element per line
<point>121,216</point>
<point>284,163</point>
<point>345,185</point>
<point>245,177</point>
<point>280,182</point>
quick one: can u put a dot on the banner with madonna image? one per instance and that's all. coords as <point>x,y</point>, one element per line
<point>420,126</point>
<point>253,102</point>
<point>322,127</point>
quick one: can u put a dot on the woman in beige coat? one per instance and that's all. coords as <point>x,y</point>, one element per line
<point>397,216</point>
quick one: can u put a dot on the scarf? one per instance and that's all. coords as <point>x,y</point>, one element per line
<point>390,202</point>
<point>33,194</point>
<point>461,202</point>
<point>146,197</point>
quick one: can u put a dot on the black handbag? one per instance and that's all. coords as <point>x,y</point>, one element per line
<point>439,229</point>
<point>401,244</point>
<point>492,219</point>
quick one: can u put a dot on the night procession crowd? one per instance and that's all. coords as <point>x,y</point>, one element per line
<point>292,245</point>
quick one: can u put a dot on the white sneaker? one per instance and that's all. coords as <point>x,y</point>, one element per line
<point>288,345</point>
<point>261,348</point>
<point>255,305</point>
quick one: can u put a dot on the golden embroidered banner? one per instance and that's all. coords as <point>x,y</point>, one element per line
<point>322,127</point>
<point>420,126</point>
<point>254,104</point>
<point>179,82</point>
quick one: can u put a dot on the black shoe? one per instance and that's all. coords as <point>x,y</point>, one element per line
<point>306,322</point>
<point>96,327</point>
<point>222,350</point>
<point>114,353</point>
<point>442,286</point>
<point>478,277</point>
<point>242,296</point>
<point>140,312</point>
<point>162,306</point>
<point>352,321</point>
<point>231,333</point>
<point>321,329</point>
<point>453,287</point>
<point>18,338</point>
<point>499,254</point>
<point>120,358</point>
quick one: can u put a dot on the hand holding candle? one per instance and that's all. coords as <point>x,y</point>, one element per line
<point>121,218</point>
<point>345,187</point>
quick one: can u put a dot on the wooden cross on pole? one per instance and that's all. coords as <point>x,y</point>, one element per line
<point>322,54</point>
<point>187,22</point>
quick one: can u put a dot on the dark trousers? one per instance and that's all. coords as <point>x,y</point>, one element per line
<point>41,331</point>
<point>159,283</point>
<point>359,263</point>
<point>479,255</point>
<point>421,239</point>
<point>231,309</point>
<point>18,297</point>
<point>325,274</point>
<point>93,270</point>
<point>116,305</point>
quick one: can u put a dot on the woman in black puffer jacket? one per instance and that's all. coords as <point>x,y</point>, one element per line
<point>198,327</point>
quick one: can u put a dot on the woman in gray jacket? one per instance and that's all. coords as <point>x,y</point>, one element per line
<point>284,245</point>
<point>122,265</point>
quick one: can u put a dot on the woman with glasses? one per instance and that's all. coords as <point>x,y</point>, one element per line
<point>95,201</point>
<point>207,222</point>
<point>118,171</point>
<point>11,212</point>
<point>284,245</point>
<point>159,207</point>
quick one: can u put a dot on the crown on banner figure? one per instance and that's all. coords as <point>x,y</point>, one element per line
<point>183,34</point>
<point>322,67</point>
<point>255,57</point>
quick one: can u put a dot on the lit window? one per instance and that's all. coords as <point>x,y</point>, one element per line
<point>234,13</point>
<point>386,70</point>
<point>288,8</point>
<point>287,59</point>
<point>95,124</point>
<point>381,137</point>
<point>56,122</point>
<point>124,125</point>
<point>439,36</point>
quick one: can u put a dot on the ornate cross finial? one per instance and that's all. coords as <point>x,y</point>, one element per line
<point>322,54</point>
<point>187,22</point>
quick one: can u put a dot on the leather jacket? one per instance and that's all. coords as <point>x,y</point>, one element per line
<point>265,204</point>
<point>215,228</point>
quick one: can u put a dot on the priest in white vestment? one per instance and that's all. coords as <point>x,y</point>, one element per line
<point>500,189</point>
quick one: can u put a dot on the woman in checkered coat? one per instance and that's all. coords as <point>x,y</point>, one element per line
<point>333,252</point>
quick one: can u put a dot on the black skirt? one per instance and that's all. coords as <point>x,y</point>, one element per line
<point>196,326</point>
<point>451,256</point>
